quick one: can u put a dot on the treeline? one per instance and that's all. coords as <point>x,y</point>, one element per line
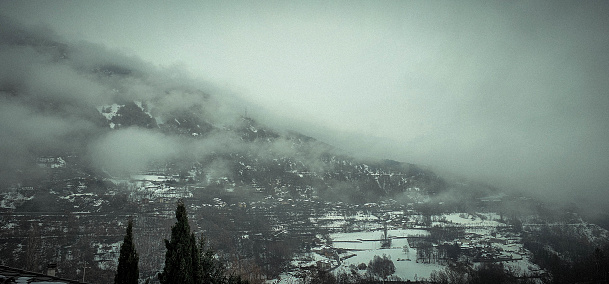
<point>455,274</point>
<point>567,257</point>
<point>188,259</point>
<point>483,274</point>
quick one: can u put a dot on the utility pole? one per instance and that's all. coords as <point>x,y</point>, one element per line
<point>84,270</point>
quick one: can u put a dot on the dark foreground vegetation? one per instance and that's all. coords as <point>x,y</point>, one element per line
<point>188,259</point>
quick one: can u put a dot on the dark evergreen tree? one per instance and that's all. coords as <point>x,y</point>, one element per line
<point>128,271</point>
<point>211,270</point>
<point>190,262</point>
<point>182,262</point>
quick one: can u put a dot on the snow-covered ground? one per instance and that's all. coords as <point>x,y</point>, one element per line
<point>8,199</point>
<point>376,235</point>
<point>361,220</point>
<point>106,255</point>
<point>365,245</point>
<point>468,220</point>
<point>346,250</point>
<point>155,178</point>
<point>109,111</point>
<point>405,269</point>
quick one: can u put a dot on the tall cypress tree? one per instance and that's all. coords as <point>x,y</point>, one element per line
<point>128,271</point>
<point>182,256</point>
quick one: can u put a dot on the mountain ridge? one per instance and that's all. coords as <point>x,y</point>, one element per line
<point>133,120</point>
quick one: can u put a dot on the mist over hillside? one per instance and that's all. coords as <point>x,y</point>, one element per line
<point>451,176</point>
<point>51,92</point>
<point>121,114</point>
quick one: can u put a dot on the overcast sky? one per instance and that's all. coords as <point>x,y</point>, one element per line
<point>510,92</point>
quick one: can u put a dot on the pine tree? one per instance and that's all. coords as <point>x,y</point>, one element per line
<point>127,271</point>
<point>211,270</point>
<point>190,262</point>
<point>182,256</point>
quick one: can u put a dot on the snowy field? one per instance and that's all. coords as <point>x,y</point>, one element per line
<point>405,269</point>
<point>365,245</point>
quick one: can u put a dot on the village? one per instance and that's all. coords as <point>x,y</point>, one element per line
<point>303,233</point>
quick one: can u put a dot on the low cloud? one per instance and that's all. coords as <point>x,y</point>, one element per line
<point>509,94</point>
<point>133,150</point>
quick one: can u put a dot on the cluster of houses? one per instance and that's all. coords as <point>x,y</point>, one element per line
<point>305,217</point>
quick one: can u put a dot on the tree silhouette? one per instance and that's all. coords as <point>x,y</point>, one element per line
<point>211,270</point>
<point>127,271</point>
<point>188,261</point>
<point>381,267</point>
<point>182,262</point>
